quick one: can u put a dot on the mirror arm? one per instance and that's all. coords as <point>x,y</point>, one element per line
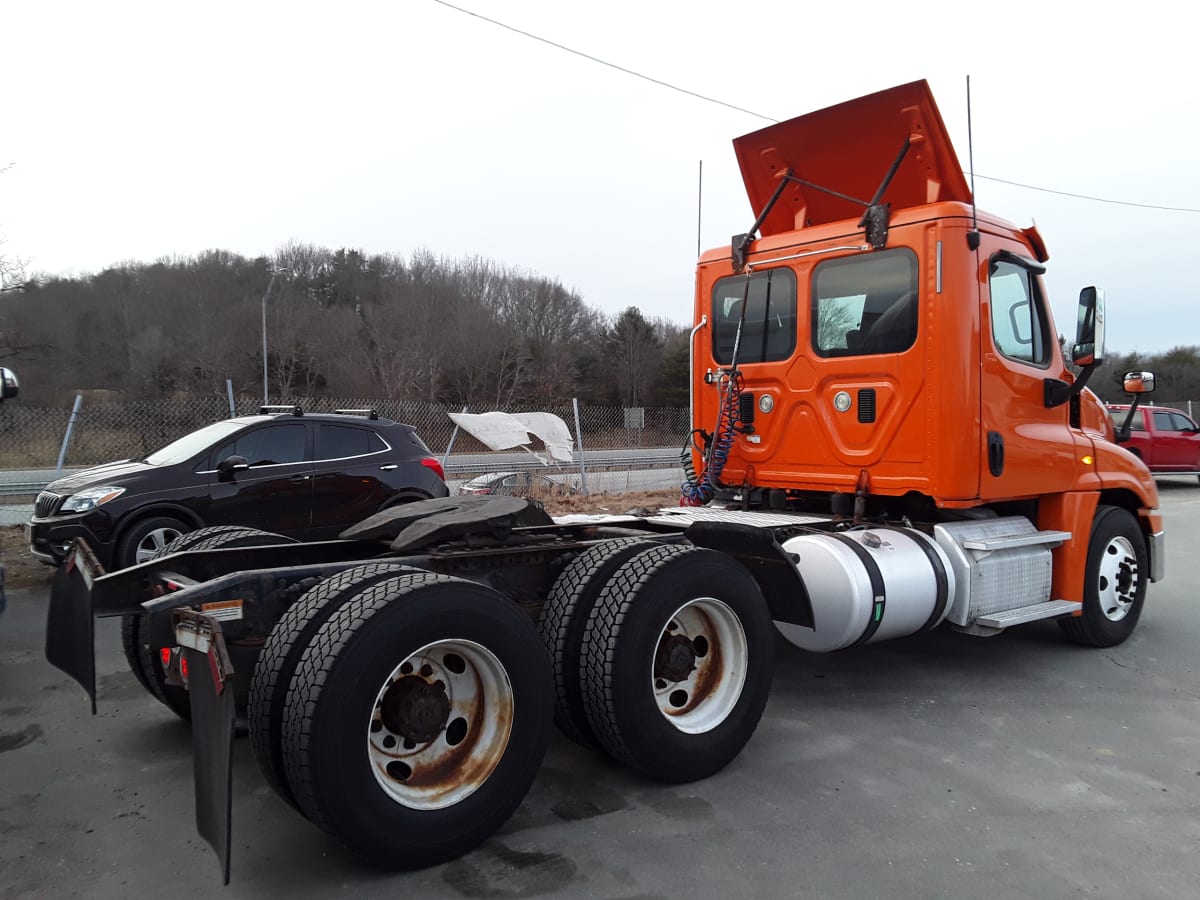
<point>1056,392</point>
<point>1122,433</point>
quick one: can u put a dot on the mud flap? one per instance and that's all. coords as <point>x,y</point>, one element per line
<point>70,628</point>
<point>210,687</point>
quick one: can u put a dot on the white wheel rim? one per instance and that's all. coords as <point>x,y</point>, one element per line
<point>699,665</point>
<point>153,542</point>
<point>1118,579</point>
<point>440,724</point>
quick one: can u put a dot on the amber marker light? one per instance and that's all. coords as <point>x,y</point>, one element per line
<point>1087,460</point>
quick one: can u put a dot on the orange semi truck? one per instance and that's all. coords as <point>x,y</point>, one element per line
<point>886,439</point>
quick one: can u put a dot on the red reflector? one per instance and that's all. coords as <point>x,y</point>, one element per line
<point>430,463</point>
<point>183,665</point>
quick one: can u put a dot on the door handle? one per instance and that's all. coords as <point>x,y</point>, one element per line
<point>388,468</point>
<point>296,479</point>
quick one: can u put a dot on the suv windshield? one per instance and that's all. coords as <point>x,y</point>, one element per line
<point>191,444</point>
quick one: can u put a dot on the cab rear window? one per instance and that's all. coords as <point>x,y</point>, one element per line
<point>864,305</point>
<point>768,326</point>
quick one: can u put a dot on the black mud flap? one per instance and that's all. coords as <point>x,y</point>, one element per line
<point>70,628</point>
<point>210,686</point>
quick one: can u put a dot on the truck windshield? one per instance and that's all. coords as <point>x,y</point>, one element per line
<point>769,328</point>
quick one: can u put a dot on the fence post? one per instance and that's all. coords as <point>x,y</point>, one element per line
<point>229,390</point>
<point>450,446</point>
<point>579,443</point>
<point>62,453</point>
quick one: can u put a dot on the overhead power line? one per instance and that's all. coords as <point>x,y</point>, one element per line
<point>603,62</point>
<point>758,115</point>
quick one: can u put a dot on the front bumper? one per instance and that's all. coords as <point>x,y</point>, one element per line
<point>1158,556</point>
<point>50,539</point>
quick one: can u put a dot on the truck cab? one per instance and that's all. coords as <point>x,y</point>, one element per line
<point>895,355</point>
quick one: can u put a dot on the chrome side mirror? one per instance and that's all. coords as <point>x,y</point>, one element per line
<point>9,385</point>
<point>1089,329</point>
<point>1138,382</point>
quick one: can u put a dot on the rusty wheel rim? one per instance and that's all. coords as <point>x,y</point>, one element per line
<point>699,665</point>
<point>440,724</point>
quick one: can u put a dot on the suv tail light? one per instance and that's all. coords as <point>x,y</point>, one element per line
<point>430,463</point>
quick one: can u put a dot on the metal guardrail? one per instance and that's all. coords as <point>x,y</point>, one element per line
<point>18,489</point>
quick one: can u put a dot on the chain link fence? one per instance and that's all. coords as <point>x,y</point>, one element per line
<point>36,443</point>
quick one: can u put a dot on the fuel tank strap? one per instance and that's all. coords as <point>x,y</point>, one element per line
<point>878,592</point>
<point>939,575</point>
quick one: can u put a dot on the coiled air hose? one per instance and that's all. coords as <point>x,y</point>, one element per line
<point>699,491</point>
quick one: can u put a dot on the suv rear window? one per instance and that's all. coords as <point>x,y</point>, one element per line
<point>343,441</point>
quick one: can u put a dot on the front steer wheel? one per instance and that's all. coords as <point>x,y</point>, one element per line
<point>1115,577</point>
<point>677,662</point>
<point>417,718</point>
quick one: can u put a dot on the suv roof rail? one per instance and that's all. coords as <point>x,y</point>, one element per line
<point>368,413</point>
<point>294,409</point>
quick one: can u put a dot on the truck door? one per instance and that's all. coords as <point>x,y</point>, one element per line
<point>1027,448</point>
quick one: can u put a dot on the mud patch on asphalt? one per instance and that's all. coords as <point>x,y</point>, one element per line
<point>498,872</point>
<point>17,739</point>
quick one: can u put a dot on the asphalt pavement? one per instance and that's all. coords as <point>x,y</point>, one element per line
<point>936,766</point>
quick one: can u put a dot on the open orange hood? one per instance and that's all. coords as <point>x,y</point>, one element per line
<point>849,148</point>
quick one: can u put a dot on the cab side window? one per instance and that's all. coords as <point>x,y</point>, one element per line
<point>1019,325</point>
<point>1172,421</point>
<point>269,446</point>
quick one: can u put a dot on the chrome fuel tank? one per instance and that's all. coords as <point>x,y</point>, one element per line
<point>869,585</point>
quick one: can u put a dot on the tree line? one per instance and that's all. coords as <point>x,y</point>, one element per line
<point>343,324</point>
<point>339,323</point>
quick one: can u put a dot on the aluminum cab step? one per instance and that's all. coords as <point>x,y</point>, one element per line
<point>1024,614</point>
<point>1008,542</point>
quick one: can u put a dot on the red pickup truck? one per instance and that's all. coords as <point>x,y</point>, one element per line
<point>1166,439</point>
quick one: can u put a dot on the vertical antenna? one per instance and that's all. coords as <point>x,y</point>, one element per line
<point>973,237</point>
<point>699,206</point>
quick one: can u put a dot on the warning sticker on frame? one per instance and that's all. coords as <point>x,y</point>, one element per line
<point>223,610</point>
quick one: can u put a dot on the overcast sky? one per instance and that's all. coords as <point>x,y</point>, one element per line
<point>136,131</point>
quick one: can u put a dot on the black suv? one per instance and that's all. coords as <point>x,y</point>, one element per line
<point>302,475</point>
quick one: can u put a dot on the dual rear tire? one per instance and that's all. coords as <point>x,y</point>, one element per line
<point>406,713</point>
<point>663,656</point>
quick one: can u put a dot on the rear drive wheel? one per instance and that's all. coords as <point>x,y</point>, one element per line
<point>147,662</point>
<point>1115,578</point>
<point>564,619</point>
<point>417,719</point>
<point>277,662</point>
<point>677,662</point>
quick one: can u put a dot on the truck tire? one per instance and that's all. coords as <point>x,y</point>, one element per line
<point>677,662</point>
<point>1115,578</point>
<point>417,719</point>
<point>564,619</point>
<point>277,662</point>
<point>146,661</point>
